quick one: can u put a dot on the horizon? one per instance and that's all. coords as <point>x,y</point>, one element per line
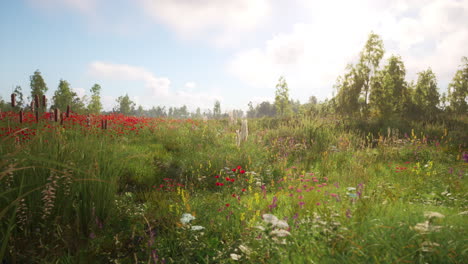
<point>175,53</point>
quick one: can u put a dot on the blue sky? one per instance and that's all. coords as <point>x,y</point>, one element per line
<point>193,52</point>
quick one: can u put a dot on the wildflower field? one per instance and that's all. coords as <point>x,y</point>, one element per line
<point>121,189</point>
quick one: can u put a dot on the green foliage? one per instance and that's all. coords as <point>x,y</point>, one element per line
<point>389,89</point>
<point>426,94</point>
<point>37,84</point>
<point>125,105</point>
<point>458,89</point>
<point>369,61</point>
<point>349,89</point>
<point>63,96</point>
<point>264,109</point>
<point>282,104</point>
<point>19,97</point>
<point>95,105</point>
<point>121,198</point>
<point>217,109</point>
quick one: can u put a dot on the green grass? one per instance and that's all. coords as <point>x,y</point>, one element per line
<point>119,199</point>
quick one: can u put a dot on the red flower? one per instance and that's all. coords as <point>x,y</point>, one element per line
<point>234,170</point>
<point>232,180</point>
<point>239,167</point>
<point>233,195</point>
<point>227,179</point>
<point>242,171</point>
<point>227,205</point>
<point>217,176</point>
<point>243,190</point>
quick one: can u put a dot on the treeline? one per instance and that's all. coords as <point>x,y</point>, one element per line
<point>63,97</point>
<point>367,90</point>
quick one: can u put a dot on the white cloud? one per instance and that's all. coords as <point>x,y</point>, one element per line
<point>108,102</point>
<point>313,54</point>
<point>190,85</point>
<point>157,88</point>
<point>223,19</point>
<point>80,91</point>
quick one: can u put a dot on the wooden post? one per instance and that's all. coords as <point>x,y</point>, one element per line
<point>13,100</point>
<point>21,116</point>
<point>44,101</point>
<point>36,101</point>
<point>62,117</point>
<point>56,114</point>
<point>68,111</point>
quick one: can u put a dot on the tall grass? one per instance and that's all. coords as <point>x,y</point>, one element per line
<point>348,193</point>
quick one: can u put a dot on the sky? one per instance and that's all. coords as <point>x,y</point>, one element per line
<point>194,52</point>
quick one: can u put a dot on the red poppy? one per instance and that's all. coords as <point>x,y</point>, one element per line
<point>242,171</point>
<point>239,167</point>
<point>234,170</point>
<point>227,205</point>
<point>233,195</point>
<point>217,176</point>
<point>243,190</point>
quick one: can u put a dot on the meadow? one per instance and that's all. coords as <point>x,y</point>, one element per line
<point>122,189</point>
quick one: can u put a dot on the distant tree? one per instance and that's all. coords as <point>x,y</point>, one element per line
<point>313,100</point>
<point>38,85</point>
<point>19,96</point>
<point>4,106</point>
<point>265,108</point>
<point>63,96</point>
<point>125,105</point>
<point>197,114</point>
<point>426,95</point>
<point>217,109</point>
<point>251,110</point>
<point>95,106</point>
<point>78,104</point>
<point>282,104</point>
<point>389,89</point>
<point>140,111</point>
<point>348,91</point>
<point>183,112</point>
<point>369,60</point>
<point>458,89</point>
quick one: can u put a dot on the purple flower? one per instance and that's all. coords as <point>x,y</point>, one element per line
<point>465,156</point>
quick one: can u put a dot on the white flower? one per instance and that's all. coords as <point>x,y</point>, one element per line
<point>431,215</point>
<point>245,249</point>
<point>235,256</point>
<point>197,228</point>
<point>281,224</point>
<point>186,218</point>
<point>350,189</point>
<point>422,227</point>
<point>259,227</point>
<point>279,233</point>
<point>270,219</point>
<point>428,246</point>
